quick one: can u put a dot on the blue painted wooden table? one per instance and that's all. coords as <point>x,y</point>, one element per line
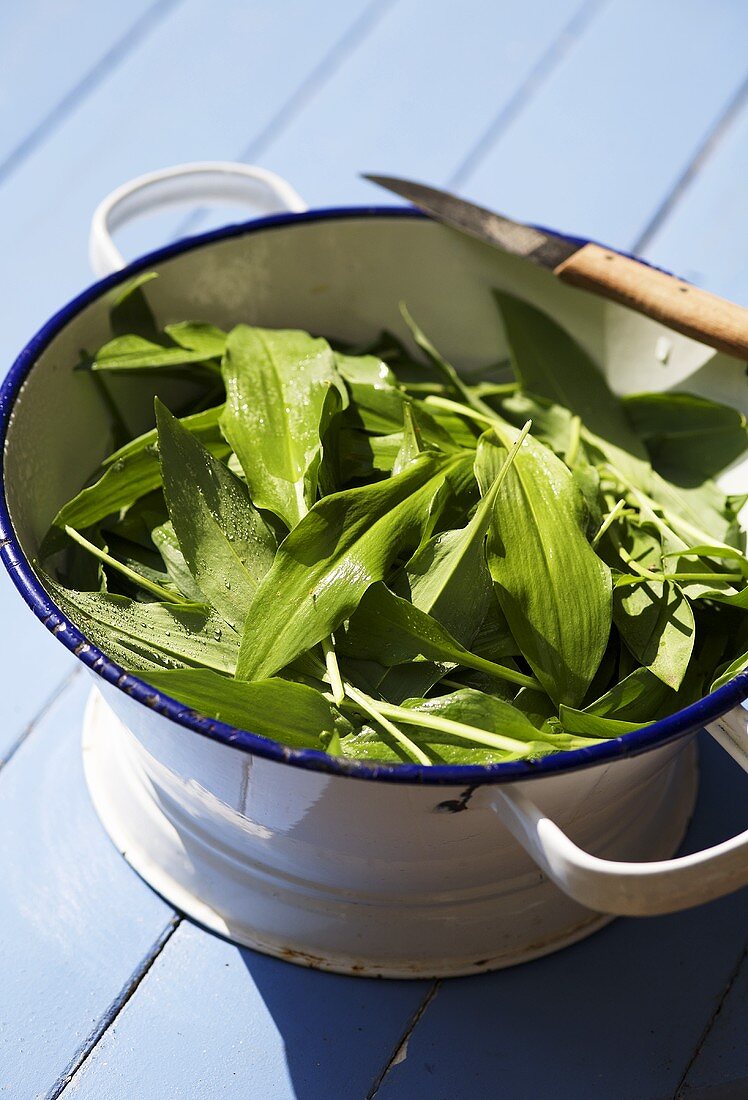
<point>626,121</point>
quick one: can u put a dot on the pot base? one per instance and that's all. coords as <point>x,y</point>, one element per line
<point>133,816</point>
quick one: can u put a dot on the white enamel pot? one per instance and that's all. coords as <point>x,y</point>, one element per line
<point>382,870</point>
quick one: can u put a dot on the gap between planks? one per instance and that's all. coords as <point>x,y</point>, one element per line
<point>46,706</point>
<point>679,1094</point>
<point>540,72</point>
<point>317,78</point>
<point>400,1052</point>
<point>705,150</point>
<point>110,1015</point>
<point>306,90</point>
<point>88,84</point>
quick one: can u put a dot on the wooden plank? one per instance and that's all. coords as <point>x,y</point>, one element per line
<point>720,1069</point>
<point>45,205</point>
<point>616,1016</point>
<point>202,85</point>
<point>703,239</point>
<point>37,292</point>
<point>415,95</point>
<point>34,666</point>
<point>211,1019</point>
<point>76,922</point>
<point>600,145</point>
<point>51,57</point>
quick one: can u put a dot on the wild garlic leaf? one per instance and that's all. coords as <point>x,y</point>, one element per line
<point>657,624</point>
<point>150,635</point>
<point>199,337</point>
<point>376,399</point>
<point>166,542</point>
<point>361,455</point>
<point>726,672</point>
<point>582,723</point>
<point>390,630</point>
<point>541,563</point>
<point>480,711</point>
<point>130,311</point>
<point>225,541</point>
<point>282,389</point>
<point>134,471</point>
<point>494,639</point>
<point>126,353</point>
<point>412,443</point>
<point>412,678</point>
<point>551,423</point>
<point>687,433</point>
<point>283,710</point>
<point>448,577</point>
<point>437,360</point>
<point>696,511</point>
<point>345,543</point>
<point>638,697</point>
<point>552,365</point>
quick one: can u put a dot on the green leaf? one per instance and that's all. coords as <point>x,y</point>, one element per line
<point>703,507</point>
<point>637,698</point>
<point>477,711</point>
<point>448,578</point>
<point>552,365</point>
<point>282,389</point>
<point>412,444</point>
<point>363,456</point>
<point>166,542</point>
<point>685,432</point>
<point>225,541</point>
<point>390,630</point>
<point>198,336</point>
<point>553,589</point>
<point>446,370</point>
<point>134,471</point>
<point>279,709</point>
<point>376,399</point>
<point>149,635</point>
<point>551,423</point>
<point>582,723</point>
<point>726,673</point>
<point>130,311</point>
<point>345,543</point>
<point>657,624</point>
<point>125,353</point>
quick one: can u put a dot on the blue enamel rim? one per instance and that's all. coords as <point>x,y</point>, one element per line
<point>676,725</point>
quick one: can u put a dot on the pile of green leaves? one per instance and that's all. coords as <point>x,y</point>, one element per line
<point>358,550</point>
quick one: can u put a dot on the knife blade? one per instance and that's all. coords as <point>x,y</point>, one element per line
<point>603,271</point>
<point>539,246</point>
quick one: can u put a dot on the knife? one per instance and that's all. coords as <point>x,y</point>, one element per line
<point>671,301</point>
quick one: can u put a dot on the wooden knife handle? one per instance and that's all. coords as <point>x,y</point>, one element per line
<point>680,306</point>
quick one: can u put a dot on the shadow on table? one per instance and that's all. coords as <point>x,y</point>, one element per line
<point>618,1016</point>
<point>338,1032</point>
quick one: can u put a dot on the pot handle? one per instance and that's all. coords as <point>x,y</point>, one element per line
<point>633,889</point>
<point>185,184</point>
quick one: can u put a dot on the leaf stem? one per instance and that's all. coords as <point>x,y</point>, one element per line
<point>501,672</point>
<point>575,436</point>
<point>162,594</point>
<point>333,670</point>
<point>373,708</point>
<point>447,725</point>
<point>461,410</point>
<point>611,517</point>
